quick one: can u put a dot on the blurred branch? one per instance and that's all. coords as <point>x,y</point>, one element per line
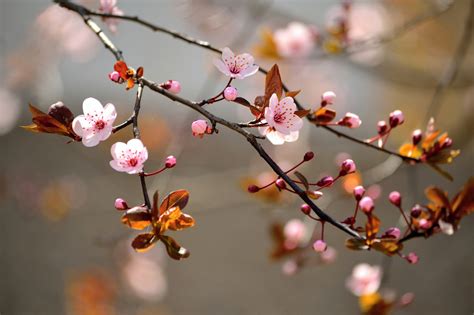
<point>197,106</point>
<point>452,70</point>
<point>86,13</point>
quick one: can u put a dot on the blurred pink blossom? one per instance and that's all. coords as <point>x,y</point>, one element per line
<point>294,41</point>
<point>365,279</point>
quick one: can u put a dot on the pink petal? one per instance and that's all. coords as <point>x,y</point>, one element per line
<point>275,137</point>
<point>243,61</point>
<point>135,144</point>
<point>295,122</point>
<point>273,103</point>
<point>91,141</point>
<point>110,113</point>
<point>222,67</point>
<point>105,133</point>
<point>117,150</point>
<point>91,105</point>
<point>114,164</point>
<point>264,130</point>
<point>269,115</point>
<point>292,137</point>
<point>228,57</point>
<point>248,72</point>
<point>288,103</point>
<point>77,124</point>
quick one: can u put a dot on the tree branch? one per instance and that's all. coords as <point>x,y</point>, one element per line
<point>84,12</point>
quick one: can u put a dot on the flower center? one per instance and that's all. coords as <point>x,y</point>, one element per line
<point>133,162</point>
<point>279,118</point>
<point>100,124</point>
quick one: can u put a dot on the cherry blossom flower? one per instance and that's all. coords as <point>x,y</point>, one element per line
<point>365,279</point>
<point>96,123</point>
<point>283,124</point>
<point>296,40</point>
<point>294,232</point>
<point>236,67</point>
<point>110,7</point>
<point>128,157</point>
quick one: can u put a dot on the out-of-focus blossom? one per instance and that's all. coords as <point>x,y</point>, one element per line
<point>110,7</point>
<point>374,191</point>
<point>294,41</point>
<point>365,279</point>
<point>329,255</point>
<point>320,246</point>
<point>283,124</point>
<point>128,157</point>
<point>446,228</point>
<point>146,278</point>
<point>412,258</point>
<point>237,67</point>
<point>289,267</point>
<point>9,109</point>
<point>97,122</point>
<point>294,232</point>
<point>328,98</point>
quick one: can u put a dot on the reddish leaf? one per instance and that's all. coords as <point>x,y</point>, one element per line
<point>302,113</point>
<point>273,84</point>
<point>356,244</point>
<point>324,115</point>
<point>174,250</point>
<point>292,93</point>
<point>61,113</point>
<point>144,242</point>
<point>178,198</point>
<point>122,68</point>
<point>463,202</point>
<point>387,246</point>
<point>46,123</point>
<point>155,213</point>
<point>371,228</point>
<point>173,219</point>
<point>438,197</point>
<point>303,179</point>
<point>137,218</point>
<point>139,72</point>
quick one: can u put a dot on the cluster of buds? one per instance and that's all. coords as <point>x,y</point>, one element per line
<point>396,118</point>
<point>325,116</point>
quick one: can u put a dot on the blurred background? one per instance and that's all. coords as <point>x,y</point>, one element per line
<point>64,250</point>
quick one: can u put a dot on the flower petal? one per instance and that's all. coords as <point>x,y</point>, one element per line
<point>243,61</point>
<point>110,113</point>
<point>248,72</point>
<point>91,141</point>
<point>135,144</point>
<point>275,137</point>
<point>77,124</point>
<point>105,133</point>
<point>117,150</point>
<point>228,57</point>
<point>91,105</point>
<point>288,103</point>
<point>292,137</point>
<point>222,67</point>
<point>273,103</point>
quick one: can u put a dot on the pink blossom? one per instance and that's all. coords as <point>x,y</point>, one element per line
<point>296,40</point>
<point>381,127</point>
<point>170,161</point>
<point>367,204</point>
<point>110,7</point>
<point>350,120</point>
<point>230,93</point>
<point>320,246</point>
<point>365,279</point>
<point>237,67</point>
<point>200,127</point>
<point>172,85</point>
<point>325,181</point>
<point>392,232</point>
<point>283,124</point>
<point>412,258</point>
<point>395,198</point>
<point>424,224</point>
<point>328,98</point>
<point>121,204</point>
<point>114,76</point>
<point>128,157</point>
<point>96,123</point>
<point>348,166</point>
<point>289,267</point>
<point>396,118</point>
<point>358,191</point>
<point>294,232</point>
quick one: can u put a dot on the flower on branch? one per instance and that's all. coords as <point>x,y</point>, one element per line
<point>365,279</point>
<point>129,157</point>
<point>110,7</point>
<point>200,127</point>
<point>58,120</point>
<point>127,74</point>
<point>236,67</point>
<point>296,40</point>
<point>167,216</point>
<point>96,123</point>
<point>283,124</point>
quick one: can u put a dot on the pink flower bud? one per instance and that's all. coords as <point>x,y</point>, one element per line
<point>325,181</point>
<point>412,258</point>
<point>170,161</point>
<point>358,191</point>
<point>367,204</point>
<point>424,224</point>
<point>199,127</point>
<point>253,189</point>
<point>416,211</point>
<point>121,204</point>
<point>381,127</point>
<point>328,98</point>
<point>230,93</point>
<point>308,156</point>
<point>396,118</point>
<point>305,208</point>
<point>114,76</point>
<point>280,183</point>
<point>172,86</point>
<point>395,198</point>
<point>350,120</point>
<point>416,136</point>
<point>320,246</point>
<point>348,166</point>
<point>392,232</point>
